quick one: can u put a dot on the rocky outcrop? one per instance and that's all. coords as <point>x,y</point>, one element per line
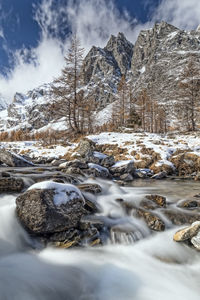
<point>108,64</point>
<point>154,62</point>
<point>31,110</point>
<point>160,54</point>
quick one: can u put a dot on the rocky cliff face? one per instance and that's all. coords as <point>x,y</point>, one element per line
<point>160,55</point>
<point>30,110</point>
<point>104,68</point>
<point>155,61</point>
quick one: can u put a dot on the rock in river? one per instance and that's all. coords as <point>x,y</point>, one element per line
<point>49,207</point>
<point>187,233</point>
<point>11,184</point>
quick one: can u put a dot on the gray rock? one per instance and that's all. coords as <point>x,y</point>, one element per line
<point>13,160</point>
<point>126,177</point>
<point>160,175</point>
<point>90,188</point>
<point>37,211</point>
<point>196,241</point>
<point>11,184</point>
<point>98,171</point>
<point>74,164</point>
<point>123,168</point>
<point>100,159</point>
<point>85,147</point>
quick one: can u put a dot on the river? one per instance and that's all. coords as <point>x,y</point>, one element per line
<point>130,267</point>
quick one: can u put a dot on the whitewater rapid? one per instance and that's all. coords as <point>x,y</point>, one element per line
<point>153,268</point>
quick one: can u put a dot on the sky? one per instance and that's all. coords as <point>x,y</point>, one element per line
<point>35,34</point>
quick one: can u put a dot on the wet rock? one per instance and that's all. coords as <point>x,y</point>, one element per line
<point>162,168</point>
<point>57,162</point>
<point>178,217</point>
<point>5,174</point>
<point>98,171</point>
<point>189,204</point>
<point>197,176</point>
<point>74,171</point>
<point>197,195</point>
<point>152,221</point>
<point>56,208</point>
<point>90,188</point>
<point>126,177</point>
<point>13,160</point>
<point>159,200</point>
<point>74,164</point>
<point>11,184</point>
<point>91,206</point>
<point>160,175</point>
<point>143,173</point>
<point>108,161</point>
<point>148,204</point>
<point>196,241</point>
<point>187,233</point>
<point>124,167</point>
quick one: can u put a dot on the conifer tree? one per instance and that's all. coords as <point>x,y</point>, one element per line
<point>68,89</point>
<point>189,94</point>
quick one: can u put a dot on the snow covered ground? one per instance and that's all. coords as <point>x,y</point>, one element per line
<point>124,146</point>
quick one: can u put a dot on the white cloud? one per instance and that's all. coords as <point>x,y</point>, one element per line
<point>184,14</point>
<point>94,21</point>
<point>33,67</point>
<point>26,76</point>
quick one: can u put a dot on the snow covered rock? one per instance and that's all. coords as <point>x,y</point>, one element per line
<point>100,159</point>
<point>98,171</point>
<point>49,207</point>
<point>122,167</point>
<point>13,160</point>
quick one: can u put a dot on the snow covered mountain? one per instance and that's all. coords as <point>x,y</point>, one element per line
<point>155,61</point>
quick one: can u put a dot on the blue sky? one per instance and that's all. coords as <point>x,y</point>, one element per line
<point>34,34</point>
<point>20,29</point>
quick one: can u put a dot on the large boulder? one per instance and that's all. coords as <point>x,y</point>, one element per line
<point>50,207</point>
<point>13,160</point>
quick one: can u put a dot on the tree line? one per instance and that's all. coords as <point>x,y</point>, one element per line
<point>139,112</point>
<point>76,103</point>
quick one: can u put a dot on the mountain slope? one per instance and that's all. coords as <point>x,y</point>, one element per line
<point>154,62</point>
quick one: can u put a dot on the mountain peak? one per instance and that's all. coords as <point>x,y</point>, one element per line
<point>164,28</point>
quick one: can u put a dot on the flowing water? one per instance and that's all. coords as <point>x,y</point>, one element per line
<point>131,266</point>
